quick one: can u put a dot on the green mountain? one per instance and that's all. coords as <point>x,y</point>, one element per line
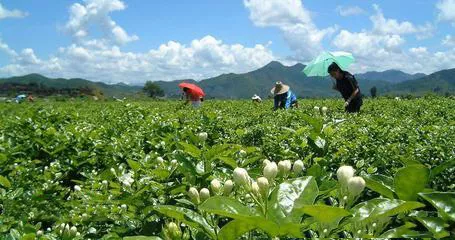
<point>261,81</point>
<point>392,76</point>
<point>442,82</point>
<point>36,81</point>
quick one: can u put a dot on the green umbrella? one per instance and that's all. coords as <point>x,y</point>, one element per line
<point>318,67</point>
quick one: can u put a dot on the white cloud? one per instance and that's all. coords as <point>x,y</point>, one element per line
<point>449,41</point>
<point>95,13</point>
<point>5,13</point>
<point>382,47</point>
<point>446,10</point>
<point>5,48</point>
<point>382,25</point>
<point>346,11</point>
<point>202,58</point>
<point>294,20</point>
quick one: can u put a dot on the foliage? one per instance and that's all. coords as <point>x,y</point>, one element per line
<point>79,170</point>
<point>153,89</point>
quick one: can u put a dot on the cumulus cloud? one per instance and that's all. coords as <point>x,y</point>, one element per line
<point>202,58</point>
<point>446,10</point>
<point>382,25</point>
<point>6,49</point>
<point>295,22</point>
<point>382,47</point>
<point>95,13</point>
<point>346,11</point>
<point>5,13</point>
<point>448,41</point>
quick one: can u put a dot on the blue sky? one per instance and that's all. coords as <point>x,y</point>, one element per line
<point>134,40</point>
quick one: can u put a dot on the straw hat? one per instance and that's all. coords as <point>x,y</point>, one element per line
<point>279,88</point>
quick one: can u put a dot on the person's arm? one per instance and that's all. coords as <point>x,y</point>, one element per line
<point>356,91</point>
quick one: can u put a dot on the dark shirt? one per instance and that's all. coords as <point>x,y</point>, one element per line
<point>347,86</point>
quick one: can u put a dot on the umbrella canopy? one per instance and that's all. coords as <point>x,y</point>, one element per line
<point>193,87</point>
<point>318,67</point>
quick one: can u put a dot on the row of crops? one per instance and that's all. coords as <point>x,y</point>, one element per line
<point>231,170</point>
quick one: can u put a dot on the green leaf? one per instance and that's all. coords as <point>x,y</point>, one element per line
<point>134,165</point>
<point>402,232</point>
<point>289,196</point>
<point>411,180</point>
<point>444,202</point>
<point>228,161</point>
<point>382,207</point>
<point>441,168</point>
<point>227,207</point>
<point>235,229</point>
<point>380,184</point>
<point>435,225</point>
<point>4,182</point>
<point>187,216</point>
<point>141,238</point>
<point>326,214</point>
<point>191,150</point>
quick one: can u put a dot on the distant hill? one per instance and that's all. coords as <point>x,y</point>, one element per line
<point>260,81</point>
<point>442,82</point>
<point>120,89</point>
<point>391,76</point>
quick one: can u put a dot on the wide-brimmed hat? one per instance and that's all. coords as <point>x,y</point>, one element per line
<point>255,97</point>
<point>279,88</point>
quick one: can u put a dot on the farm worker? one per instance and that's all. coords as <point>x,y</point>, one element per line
<point>30,98</point>
<point>256,99</point>
<point>194,97</point>
<point>347,85</point>
<point>20,98</point>
<point>283,97</point>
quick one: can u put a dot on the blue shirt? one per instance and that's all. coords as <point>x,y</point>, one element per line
<point>284,100</point>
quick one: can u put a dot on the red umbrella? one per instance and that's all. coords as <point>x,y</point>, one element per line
<point>194,88</point>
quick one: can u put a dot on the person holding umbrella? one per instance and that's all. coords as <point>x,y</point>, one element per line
<point>333,63</point>
<point>193,94</point>
<point>283,97</point>
<point>347,85</point>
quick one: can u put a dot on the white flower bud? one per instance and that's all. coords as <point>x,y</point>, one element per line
<point>298,167</point>
<point>194,195</point>
<point>227,188</point>
<point>324,109</point>
<point>284,167</point>
<point>174,163</point>
<point>255,189</point>
<point>123,206</point>
<point>344,173</point>
<point>316,108</point>
<point>77,188</point>
<point>174,230</point>
<point>242,152</point>
<point>104,182</point>
<point>265,162</point>
<point>270,171</point>
<point>160,160</point>
<point>92,230</point>
<point>241,177</point>
<point>78,234</point>
<point>356,185</point>
<point>203,136</point>
<point>113,171</point>
<point>39,233</point>
<point>263,186</point>
<point>204,194</point>
<point>73,230</point>
<point>215,185</point>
